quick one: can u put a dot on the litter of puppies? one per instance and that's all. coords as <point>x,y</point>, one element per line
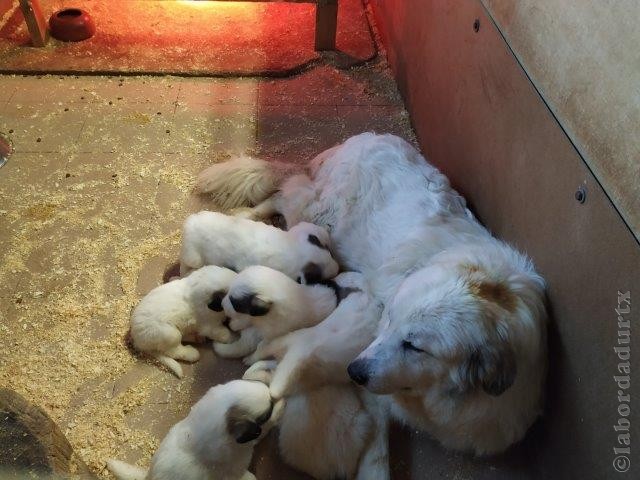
<point>430,326</point>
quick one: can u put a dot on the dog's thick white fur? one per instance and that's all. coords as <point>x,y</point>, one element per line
<point>215,441</point>
<point>211,238</point>
<point>191,305</point>
<point>274,304</point>
<point>461,350</point>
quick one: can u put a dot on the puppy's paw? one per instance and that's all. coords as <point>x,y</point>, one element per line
<point>278,411</point>
<point>247,213</point>
<point>188,353</point>
<point>250,360</point>
<point>261,371</point>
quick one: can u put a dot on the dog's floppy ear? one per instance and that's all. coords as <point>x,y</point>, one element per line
<point>311,274</point>
<point>251,304</point>
<point>215,302</point>
<point>314,240</point>
<point>240,427</point>
<point>492,369</point>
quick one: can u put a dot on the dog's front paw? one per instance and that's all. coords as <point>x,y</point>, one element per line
<point>261,371</point>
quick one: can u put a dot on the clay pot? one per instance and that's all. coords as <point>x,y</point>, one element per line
<point>71,25</point>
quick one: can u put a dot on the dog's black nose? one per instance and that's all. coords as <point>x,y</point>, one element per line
<point>358,372</point>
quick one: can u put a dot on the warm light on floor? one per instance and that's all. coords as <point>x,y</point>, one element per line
<point>231,4</point>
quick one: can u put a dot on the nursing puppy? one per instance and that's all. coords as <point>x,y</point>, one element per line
<point>274,304</point>
<point>324,432</point>
<point>215,441</point>
<point>191,305</point>
<point>211,238</point>
<point>319,355</point>
<point>461,351</point>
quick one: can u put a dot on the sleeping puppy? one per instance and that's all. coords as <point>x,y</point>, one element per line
<point>191,305</point>
<point>274,304</point>
<point>324,432</point>
<point>330,429</point>
<point>210,238</point>
<point>319,355</point>
<point>215,441</point>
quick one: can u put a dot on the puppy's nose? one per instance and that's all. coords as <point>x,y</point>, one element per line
<point>358,371</point>
<point>226,322</point>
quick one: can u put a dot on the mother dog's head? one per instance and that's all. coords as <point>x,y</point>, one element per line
<point>463,324</point>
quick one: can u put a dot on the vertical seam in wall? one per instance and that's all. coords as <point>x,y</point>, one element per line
<point>555,117</point>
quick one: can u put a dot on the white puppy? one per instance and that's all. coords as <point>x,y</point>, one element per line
<point>211,238</point>
<point>311,357</point>
<point>191,305</point>
<point>215,441</point>
<point>461,352</point>
<point>324,432</point>
<point>274,304</point>
<point>329,429</point>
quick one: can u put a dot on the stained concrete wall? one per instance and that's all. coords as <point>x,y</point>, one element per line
<point>481,120</point>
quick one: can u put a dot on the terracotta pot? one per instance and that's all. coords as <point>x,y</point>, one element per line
<point>71,25</point>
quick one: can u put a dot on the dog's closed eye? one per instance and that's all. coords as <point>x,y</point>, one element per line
<point>407,345</point>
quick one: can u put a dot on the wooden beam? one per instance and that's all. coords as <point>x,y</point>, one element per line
<point>326,24</point>
<point>36,23</point>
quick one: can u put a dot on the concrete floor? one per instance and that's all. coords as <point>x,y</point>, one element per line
<point>91,207</point>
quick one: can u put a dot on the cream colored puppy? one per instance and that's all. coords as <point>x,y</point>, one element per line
<point>215,441</point>
<point>302,252</point>
<point>274,304</point>
<point>325,432</point>
<point>191,305</point>
<point>330,428</point>
<point>311,357</point>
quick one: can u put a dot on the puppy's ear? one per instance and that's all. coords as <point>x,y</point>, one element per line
<point>490,368</point>
<point>251,304</point>
<point>314,240</point>
<point>311,274</point>
<point>240,427</point>
<point>215,302</point>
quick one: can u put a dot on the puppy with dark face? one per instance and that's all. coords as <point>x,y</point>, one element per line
<point>274,304</point>
<point>463,342</point>
<point>215,440</point>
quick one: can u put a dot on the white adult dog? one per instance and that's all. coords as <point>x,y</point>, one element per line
<point>215,441</point>
<point>461,350</point>
<point>211,238</point>
<point>181,308</point>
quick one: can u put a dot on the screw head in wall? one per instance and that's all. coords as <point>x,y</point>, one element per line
<point>581,194</point>
<point>476,25</point>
